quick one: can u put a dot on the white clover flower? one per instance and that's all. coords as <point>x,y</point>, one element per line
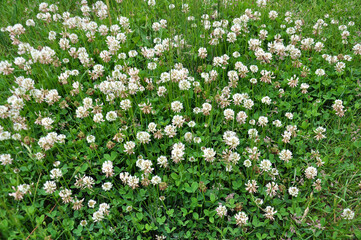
<point>277,123</point>
<point>83,223</point>
<point>98,118</point>
<point>107,186</point>
<point>209,154</point>
<point>162,161</point>
<point>265,165</point>
<point>91,203</point>
<point>184,85</point>
<point>152,66</point>
<point>111,116</point>
<point>262,121</point>
<point>176,106</point>
<point>151,3</point>
<point>236,54</point>
<point>270,212</point>
<point>266,100</point>
<point>30,22</point>
<point>241,219</point>
<point>143,137</point>
<point>202,52</point>
<point>221,211</point>
<point>90,139</point>
<point>285,155</point>
<point>293,191</point>
<point>273,15</point>
<point>289,115</point>
<point>311,172</point>
<point>98,216</point>
<point>56,173</point>
<point>6,159</point>
<point>320,72</point>
<point>49,187</point>
<point>247,163</point>
<point>197,140</point>
<point>192,124</point>
<point>348,214</point>
<point>156,180</point>
<point>125,104</point>
<point>228,114</point>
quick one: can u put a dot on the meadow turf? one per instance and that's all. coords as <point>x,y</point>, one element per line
<point>167,141</point>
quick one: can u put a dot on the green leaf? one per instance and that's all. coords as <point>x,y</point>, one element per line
<point>357,233</point>
<point>170,212</point>
<point>304,125</point>
<point>170,230</point>
<point>174,176</point>
<point>337,150</point>
<point>31,210</point>
<point>139,216</point>
<point>161,220</point>
<point>4,223</point>
<point>68,224</point>
<point>84,167</point>
<point>357,144</point>
<point>194,186</point>
<point>255,222</point>
<point>187,188</point>
<point>78,230</point>
<point>213,197</point>
<point>111,157</point>
<point>236,185</point>
<point>184,211</point>
<point>39,220</point>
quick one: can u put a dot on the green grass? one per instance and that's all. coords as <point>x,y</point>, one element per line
<point>189,209</point>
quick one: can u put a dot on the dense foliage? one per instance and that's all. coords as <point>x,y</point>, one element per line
<point>198,120</point>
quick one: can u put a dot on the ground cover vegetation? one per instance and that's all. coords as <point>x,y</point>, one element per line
<point>180,119</point>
